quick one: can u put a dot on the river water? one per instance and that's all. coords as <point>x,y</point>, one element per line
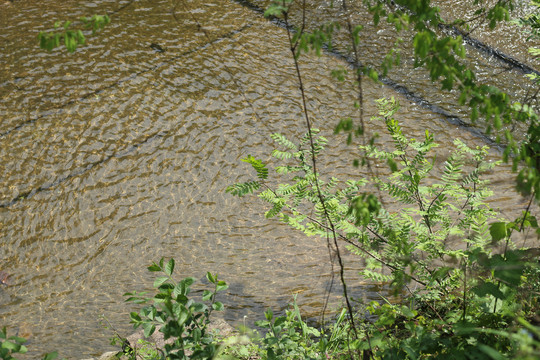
<point>117,155</point>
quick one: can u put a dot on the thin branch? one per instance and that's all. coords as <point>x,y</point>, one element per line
<point>315,174</point>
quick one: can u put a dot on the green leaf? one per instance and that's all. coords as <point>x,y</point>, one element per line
<point>51,356</point>
<point>488,288</point>
<point>243,188</point>
<point>274,10</point>
<point>179,290</point>
<point>207,295</point>
<point>169,267</point>
<point>18,339</point>
<point>188,281</point>
<point>221,285</point>
<point>183,315</point>
<point>149,329</point>
<point>408,312</point>
<point>198,307</point>
<point>441,272</point>
<point>154,267</point>
<point>392,165</point>
<point>262,323</point>
<point>491,352</point>
<point>280,320</point>
<point>260,168</point>
<point>218,306</point>
<point>196,335</point>
<point>10,345</point>
<point>498,231</point>
<point>160,280</point>
<point>134,317</point>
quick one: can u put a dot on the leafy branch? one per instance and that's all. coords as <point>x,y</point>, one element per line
<point>71,33</point>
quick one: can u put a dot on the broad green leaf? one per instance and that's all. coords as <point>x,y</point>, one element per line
<point>280,320</point>
<point>497,231</point>
<point>188,281</point>
<point>207,295</point>
<point>160,280</point>
<point>183,315</point>
<point>10,345</point>
<point>221,285</point>
<point>169,267</point>
<point>489,289</point>
<point>178,290</point>
<point>135,317</point>
<point>198,307</point>
<point>51,356</point>
<point>218,306</point>
<point>149,329</point>
<point>154,267</point>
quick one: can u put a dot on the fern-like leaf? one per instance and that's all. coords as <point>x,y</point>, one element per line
<point>243,188</point>
<point>282,155</point>
<point>262,170</point>
<point>283,141</point>
<point>276,209</point>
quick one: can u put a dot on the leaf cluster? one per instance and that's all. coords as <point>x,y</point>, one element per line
<point>72,38</point>
<point>12,345</point>
<point>289,336</point>
<point>178,317</point>
<point>457,287</point>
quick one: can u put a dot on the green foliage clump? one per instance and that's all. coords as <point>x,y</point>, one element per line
<point>71,38</point>
<point>289,337</point>
<point>178,317</point>
<point>13,345</point>
<point>461,301</point>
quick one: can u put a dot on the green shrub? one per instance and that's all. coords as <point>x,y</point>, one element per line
<point>178,317</point>
<point>463,301</point>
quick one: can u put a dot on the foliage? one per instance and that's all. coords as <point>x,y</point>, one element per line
<point>177,316</point>
<point>462,299</point>
<point>465,297</point>
<point>529,177</point>
<point>13,345</point>
<point>71,38</point>
<point>442,56</point>
<point>289,337</point>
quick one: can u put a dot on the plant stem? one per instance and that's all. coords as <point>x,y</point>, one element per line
<point>315,173</point>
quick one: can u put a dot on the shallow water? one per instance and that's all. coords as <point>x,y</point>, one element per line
<point>117,155</point>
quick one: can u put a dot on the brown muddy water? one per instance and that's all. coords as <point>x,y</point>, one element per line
<point>117,155</point>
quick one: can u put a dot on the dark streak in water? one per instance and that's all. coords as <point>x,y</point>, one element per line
<point>59,109</point>
<point>132,147</point>
<point>488,50</point>
<point>402,89</point>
